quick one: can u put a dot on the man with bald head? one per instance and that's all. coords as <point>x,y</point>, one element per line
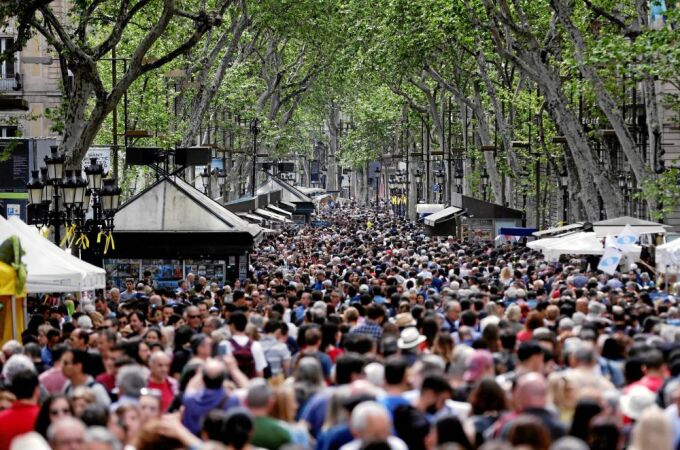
<point>67,433</point>
<point>206,392</point>
<point>370,422</point>
<point>159,369</point>
<point>530,397</point>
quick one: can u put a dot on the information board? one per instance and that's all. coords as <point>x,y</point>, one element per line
<point>14,171</point>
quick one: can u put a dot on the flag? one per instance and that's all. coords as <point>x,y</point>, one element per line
<point>626,239</point>
<point>610,261</point>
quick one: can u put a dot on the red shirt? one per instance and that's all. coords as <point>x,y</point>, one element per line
<point>17,420</point>
<point>167,393</point>
<point>651,382</point>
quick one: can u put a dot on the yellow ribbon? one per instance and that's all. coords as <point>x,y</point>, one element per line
<point>99,237</point>
<point>109,241</point>
<point>70,231</point>
<point>83,241</point>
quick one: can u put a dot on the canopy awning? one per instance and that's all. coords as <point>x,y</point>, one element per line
<point>280,212</point>
<point>252,218</point>
<point>270,215</point>
<point>510,231</point>
<point>428,208</point>
<point>614,227</point>
<point>668,257</point>
<point>558,230</point>
<point>287,205</point>
<point>442,216</point>
<point>48,267</point>
<point>581,243</point>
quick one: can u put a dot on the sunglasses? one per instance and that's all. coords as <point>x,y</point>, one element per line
<point>193,316</point>
<point>54,412</point>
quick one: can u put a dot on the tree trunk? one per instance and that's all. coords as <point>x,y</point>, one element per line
<point>604,99</point>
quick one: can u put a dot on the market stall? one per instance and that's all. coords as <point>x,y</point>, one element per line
<point>12,289</point>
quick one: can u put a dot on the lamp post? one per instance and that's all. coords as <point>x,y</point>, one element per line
<point>377,187</point>
<point>458,177</point>
<point>61,197</point>
<point>564,183</point>
<point>419,178</point>
<point>524,182</point>
<point>621,180</point>
<point>485,183</point>
<point>205,177</point>
<point>629,190</point>
<point>255,130</point>
<point>439,176</point>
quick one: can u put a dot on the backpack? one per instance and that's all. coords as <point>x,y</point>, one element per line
<point>244,357</point>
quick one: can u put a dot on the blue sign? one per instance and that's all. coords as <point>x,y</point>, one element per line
<point>436,187</point>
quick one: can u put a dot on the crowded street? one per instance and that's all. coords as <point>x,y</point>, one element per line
<point>364,333</point>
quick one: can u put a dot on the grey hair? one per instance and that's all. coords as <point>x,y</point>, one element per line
<point>16,364</point>
<point>131,379</point>
<point>64,423</point>
<point>13,347</point>
<point>32,440</point>
<point>569,443</point>
<point>101,435</point>
<point>362,412</point>
<point>156,355</point>
<point>259,394</point>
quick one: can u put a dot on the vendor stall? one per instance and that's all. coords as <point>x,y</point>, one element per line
<point>171,229</point>
<point>12,289</point>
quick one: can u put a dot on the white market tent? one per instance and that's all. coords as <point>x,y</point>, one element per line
<point>668,257</point>
<point>614,227</point>
<point>580,243</point>
<point>50,269</point>
<point>93,277</point>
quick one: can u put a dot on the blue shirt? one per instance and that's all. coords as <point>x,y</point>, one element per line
<point>370,328</point>
<point>334,437</point>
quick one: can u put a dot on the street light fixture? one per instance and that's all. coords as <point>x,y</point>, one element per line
<point>61,198</point>
<point>564,184</point>
<point>205,177</point>
<point>458,177</point>
<point>485,183</point>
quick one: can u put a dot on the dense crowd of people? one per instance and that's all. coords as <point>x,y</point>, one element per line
<point>364,334</point>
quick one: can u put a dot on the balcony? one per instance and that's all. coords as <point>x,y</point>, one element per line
<point>10,84</point>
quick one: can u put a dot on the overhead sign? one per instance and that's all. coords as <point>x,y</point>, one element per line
<point>103,155</point>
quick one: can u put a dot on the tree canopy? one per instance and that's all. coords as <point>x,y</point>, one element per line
<point>518,90</point>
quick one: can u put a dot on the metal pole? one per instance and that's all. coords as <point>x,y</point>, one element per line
<point>252,180</point>
<point>565,208</point>
<point>114,118</point>
<point>538,193</point>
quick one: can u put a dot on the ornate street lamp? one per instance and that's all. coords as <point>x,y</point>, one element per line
<point>458,177</point>
<point>35,188</point>
<point>61,198</point>
<point>205,178</point>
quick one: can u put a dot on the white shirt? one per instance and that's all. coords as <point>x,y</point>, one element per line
<point>255,348</point>
<point>394,442</point>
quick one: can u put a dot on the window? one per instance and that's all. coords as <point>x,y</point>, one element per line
<point>8,67</point>
<point>8,131</point>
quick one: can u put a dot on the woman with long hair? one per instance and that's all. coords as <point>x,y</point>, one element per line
<point>443,347</point>
<point>53,408</point>
<point>284,409</point>
<point>488,401</point>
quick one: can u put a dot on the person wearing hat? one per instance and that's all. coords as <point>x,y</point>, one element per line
<point>409,342</point>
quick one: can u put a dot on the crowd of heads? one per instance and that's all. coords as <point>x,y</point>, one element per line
<point>366,333</point>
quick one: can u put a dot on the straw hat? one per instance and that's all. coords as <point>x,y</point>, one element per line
<point>410,338</point>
